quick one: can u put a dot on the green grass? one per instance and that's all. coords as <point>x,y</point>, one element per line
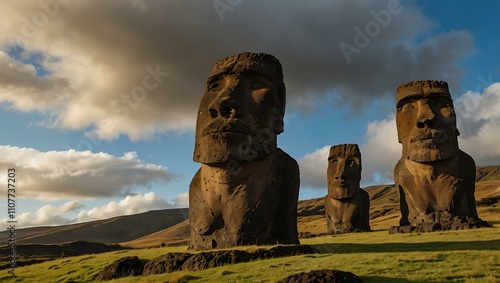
<point>458,256</point>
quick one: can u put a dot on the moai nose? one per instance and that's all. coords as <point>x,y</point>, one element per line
<point>426,116</point>
<point>225,105</point>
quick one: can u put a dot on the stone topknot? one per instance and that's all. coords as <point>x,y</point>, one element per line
<point>422,89</point>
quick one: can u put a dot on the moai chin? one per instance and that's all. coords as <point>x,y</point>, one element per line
<point>246,191</point>
<point>434,178</point>
<point>347,206</point>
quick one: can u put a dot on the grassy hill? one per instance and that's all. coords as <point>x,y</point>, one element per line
<point>112,230</point>
<point>384,212</point>
<point>451,256</point>
<point>171,227</point>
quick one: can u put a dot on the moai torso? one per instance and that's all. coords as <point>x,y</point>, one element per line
<point>246,190</point>
<point>252,207</point>
<point>347,207</point>
<point>437,192</point>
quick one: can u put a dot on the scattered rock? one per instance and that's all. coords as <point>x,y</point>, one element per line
<point>126,266</point>
<point>192,262</point>
<point>322,276</point>
<point>166,263</point>
<point>457,223</point>
<point>489,201</point>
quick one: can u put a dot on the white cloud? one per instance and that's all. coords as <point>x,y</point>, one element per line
<point>479,124</point>
<point>114,80</point>
<point>49,215</point>
<point>182,200</point>
<point>59,175</point>
<point>380,152</point>
<point>313,168</point>
<point>127,206</point>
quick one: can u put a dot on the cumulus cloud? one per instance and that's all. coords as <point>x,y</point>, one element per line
<point>138,68</point>
<point>380,152</point>
<point>313,168</point>
<point>478,119</point>
<point>59,175</point>
<point>49,215</point>
<point>129,205</point>
<point>182,200</point>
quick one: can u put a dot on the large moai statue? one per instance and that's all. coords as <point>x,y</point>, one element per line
<point>347,206</point>
<point>434,178</point>
<point>246,191</point>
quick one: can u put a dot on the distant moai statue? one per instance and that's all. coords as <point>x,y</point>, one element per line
<point>347,206</point>
<point>434,178</point>
<point>246,191</point>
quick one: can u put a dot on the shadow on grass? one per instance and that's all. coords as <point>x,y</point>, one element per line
<point>346,248</point>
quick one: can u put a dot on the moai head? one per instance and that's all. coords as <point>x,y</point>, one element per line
<point>426,121</point>
<point>242,110</point>
<point>344,171</point>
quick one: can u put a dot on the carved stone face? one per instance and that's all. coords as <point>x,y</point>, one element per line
<point>242,109</point>
<point>344,171</point>
<point>426,121</point>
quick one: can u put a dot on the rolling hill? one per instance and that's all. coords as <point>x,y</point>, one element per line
<point>112,230</point>
<point>171,226</point>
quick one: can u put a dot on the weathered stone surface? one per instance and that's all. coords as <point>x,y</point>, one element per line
<point>246,190</point>
<point>347,206</point>
<point>434,178</point>
<point>193,262</point>
<point>123,267</point>
<point>323,276</point>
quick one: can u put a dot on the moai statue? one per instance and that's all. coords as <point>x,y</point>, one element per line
<point>434,178</point>
<point>347,206</point>
<point>246,191</point>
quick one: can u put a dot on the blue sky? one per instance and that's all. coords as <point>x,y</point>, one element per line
<point>98,100</point>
